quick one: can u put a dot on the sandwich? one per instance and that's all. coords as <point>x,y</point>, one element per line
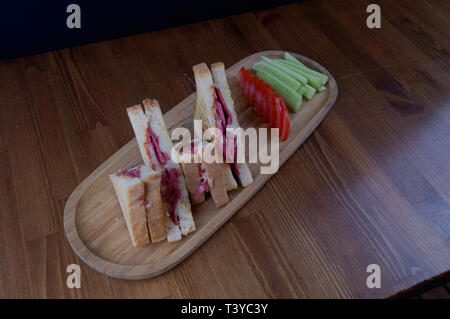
<point>155,146</point>
<point>215,107</point>
<point>223,93</point>
<point>202,177</point>
<point>139,197</point>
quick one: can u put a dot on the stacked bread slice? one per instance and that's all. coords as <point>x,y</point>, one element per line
<point>139,197</point>
<point>214,106</point>
<point>156,146</point>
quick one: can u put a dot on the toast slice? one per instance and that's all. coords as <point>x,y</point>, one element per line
<point>153,206</point>
<point>192,174</point>
<point>130,191</point>
<point>220,82</point>
<point>205,110</point>
<point>214,173</point>
<point>197,174</point>
<point>155,146</point>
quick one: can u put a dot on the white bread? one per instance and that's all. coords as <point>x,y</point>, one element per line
<point>130,192</point>
<point>139,122</point>
<point>220,82</point>
<point>153,206</point>
<point>216,180</point>
<point>192,175</point>
<point>205,110</point>
<point>191,170</point>
<point>153,118</point>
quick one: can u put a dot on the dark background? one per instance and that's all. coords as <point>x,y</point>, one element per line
<point>30,27</point>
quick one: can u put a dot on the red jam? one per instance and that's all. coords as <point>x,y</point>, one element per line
<point>171,193</point>
<point>153,142</point>
<point>204,186</point>
<point>225,118</point>
<point>134,172</point>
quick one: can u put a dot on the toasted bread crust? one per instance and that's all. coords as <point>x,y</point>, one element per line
<point>201,69</point>
<point>149,104</point>
<point>135,108</point>
<point>218,65</point>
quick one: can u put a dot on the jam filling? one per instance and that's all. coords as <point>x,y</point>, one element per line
<point>133,172</point>
<point>225,118</point>
<point>153,142</point>
<point>204,186</point>
<point>169,178</point>
<point>171,193</point>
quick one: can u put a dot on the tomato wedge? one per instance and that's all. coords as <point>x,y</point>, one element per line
<point>243,81</point>
<point>267,104</point>
<point>259,98</point>
<point>276,111</point>
<point>285,125</point>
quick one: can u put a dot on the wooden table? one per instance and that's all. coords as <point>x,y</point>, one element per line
<point>370,186</point>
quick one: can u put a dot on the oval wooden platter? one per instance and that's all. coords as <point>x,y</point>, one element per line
<point>93,221</point>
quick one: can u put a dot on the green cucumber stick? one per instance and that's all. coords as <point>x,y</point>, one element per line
<point>293,67</point>
<point>287,70</point>
<point>307,91</point>
<point>312,79</point>
<point>290,57</point>
<point>292,98</point>
<point>321,89</point>
<point>280,75</point>
<point>323,78</point>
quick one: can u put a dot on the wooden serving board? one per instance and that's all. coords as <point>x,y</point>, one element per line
<point>93,221</point>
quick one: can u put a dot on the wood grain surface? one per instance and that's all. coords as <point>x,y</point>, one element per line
<point>370,185</point>
<point>93,220</point>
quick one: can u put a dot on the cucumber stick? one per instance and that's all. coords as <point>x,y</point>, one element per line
<point>287,70</point>
<point>292,98</point>
<point>290,57</point>
<point>313,80</point>
<point>307,91</point>
<point>298,65</point>
<point>280,75</point>
<point>321,89</point>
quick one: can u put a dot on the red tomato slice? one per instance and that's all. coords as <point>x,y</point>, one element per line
<point>280,111</point>
<point>259,98</point>
<point>282,108</point>
<point>247,85</point>
<point>243,81</point>
<point>267,102</point>
<point>241,76</point>
<point>275,112</point>
<point>255,95</point>
<point>252,93</point>
<point>284,133</point>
